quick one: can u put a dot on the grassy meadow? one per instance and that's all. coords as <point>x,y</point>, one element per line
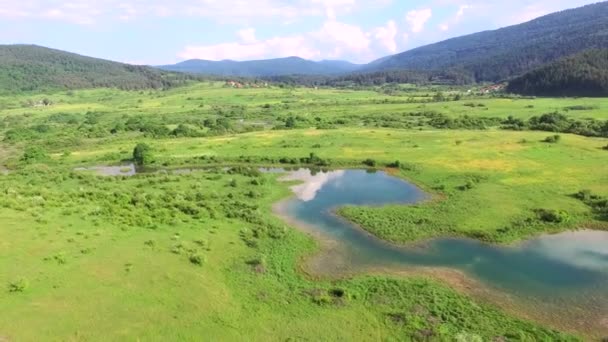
<point>167,256</point>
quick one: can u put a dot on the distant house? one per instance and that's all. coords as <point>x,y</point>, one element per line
<point>239,85</point>
<point>233,84</point>
<point>493,88</point>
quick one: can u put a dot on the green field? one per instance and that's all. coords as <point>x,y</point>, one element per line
<point>185,256</point>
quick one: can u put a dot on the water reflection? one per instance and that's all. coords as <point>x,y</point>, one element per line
<point>570,267</point>
<point>585,249</point>
<point>312,182</point>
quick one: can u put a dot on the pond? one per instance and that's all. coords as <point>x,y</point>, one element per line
<point>568,271</point>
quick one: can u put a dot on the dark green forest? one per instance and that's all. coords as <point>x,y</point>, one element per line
<point>35,68</point>
<point>585,74</point>
<point>497,55</point>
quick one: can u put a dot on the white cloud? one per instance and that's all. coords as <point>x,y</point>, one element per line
<point>274,47</point>
<point>386,36</point>
<point>418,18</point>
<point>333,40</point>
<point>461,10</point>
<point>247,35</point>
<point>222,11</point>
<point>341,35</point>
<point>455,19</point>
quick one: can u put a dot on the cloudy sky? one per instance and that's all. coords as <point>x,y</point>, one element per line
<point>163,32</point>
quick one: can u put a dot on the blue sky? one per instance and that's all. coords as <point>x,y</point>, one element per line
<point>164,32</point>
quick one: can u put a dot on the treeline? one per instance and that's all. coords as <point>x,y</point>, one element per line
<point>447,77</point>
<point>35,68</point>
<point>585,74</point>
<point>559,123</point>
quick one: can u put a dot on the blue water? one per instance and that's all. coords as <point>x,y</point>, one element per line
<point>556,266</point>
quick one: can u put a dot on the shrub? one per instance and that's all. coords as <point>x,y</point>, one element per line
<point>196,259</point>
<point>369,162</point>
<point>34,154</point>
<point>313,159</point>
<point>337,293</point>
<point>605,148</point>
<point>201,242</point>
<point>396,164</point>
<point>584,195</point>
<point>19,285</point>
<point>258,264</point>
<point>467,186</point>
<point>552,216</point>
<point>553,139</point>
<point>142,154</point>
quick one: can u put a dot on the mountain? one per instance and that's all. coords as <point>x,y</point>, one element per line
<point>262,68</point>
<point>511,51</point>
<point>585,74</point>
<point>31,67</point>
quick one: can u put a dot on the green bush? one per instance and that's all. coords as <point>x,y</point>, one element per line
<point>552,216</point>
<point>142,154</point>
<point>553,139</point>
<point>396,164</point>
<point>369,162</point>
<point>19,285</point>
<point>34,154</point>
<point>196,259</point>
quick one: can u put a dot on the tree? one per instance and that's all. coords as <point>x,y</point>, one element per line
<point>142,154</point>
<point>290,122</point>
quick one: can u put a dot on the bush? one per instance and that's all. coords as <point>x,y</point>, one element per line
<point>605,148</point>
<point>142,154</point>
<point>369,162</point>
<point>196,259</point>
<point>19,285</point>
<point>313,159</point>
<point>552,216</point>
<point>33,154</point>
<point>553,139</point>
<point>396,164</point>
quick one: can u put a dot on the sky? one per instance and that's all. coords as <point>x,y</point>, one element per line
<point>157,32</point>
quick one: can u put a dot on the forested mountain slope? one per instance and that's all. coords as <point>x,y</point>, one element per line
<point>511,51</point>
<point>31,67</point>
<point>585,74</point>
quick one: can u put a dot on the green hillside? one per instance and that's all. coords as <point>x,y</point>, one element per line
<point>30,67</point>
<point>511,51</point>
<point>585,74</point>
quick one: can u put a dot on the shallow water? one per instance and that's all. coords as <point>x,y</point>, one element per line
<point>570,269</point>
<point>103,170</point>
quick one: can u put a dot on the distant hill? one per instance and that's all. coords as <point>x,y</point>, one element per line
<point>262,68</point>
<point>511,51</point>
<point>31,67</point>
<point>585,74</point>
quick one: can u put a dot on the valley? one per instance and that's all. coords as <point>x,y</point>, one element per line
<point>205,246</point>
<point>304,171</point>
